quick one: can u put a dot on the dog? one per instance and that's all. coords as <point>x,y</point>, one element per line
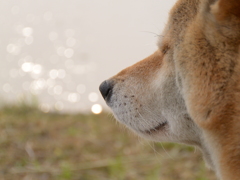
<point>188,91</point>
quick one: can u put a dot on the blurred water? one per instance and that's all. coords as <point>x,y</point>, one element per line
<point>60,50</point>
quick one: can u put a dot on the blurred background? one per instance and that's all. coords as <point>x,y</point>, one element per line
<point>60,51</point>
<point>53,122</point>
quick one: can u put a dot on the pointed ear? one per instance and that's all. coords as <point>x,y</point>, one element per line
<point>226,9</point>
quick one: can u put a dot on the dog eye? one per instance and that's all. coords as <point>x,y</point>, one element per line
<point>165,49</point>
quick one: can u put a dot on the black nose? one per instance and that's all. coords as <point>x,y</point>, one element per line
<point>106,89</point>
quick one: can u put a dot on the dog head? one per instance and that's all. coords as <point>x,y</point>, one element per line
<point>146,98</point>
<point>179,92</point>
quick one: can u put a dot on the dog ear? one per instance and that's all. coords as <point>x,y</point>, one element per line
<point>226,9</point>
<point>224,15</point>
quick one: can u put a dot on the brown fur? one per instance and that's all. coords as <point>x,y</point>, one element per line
<point>145,68</point>
<point>224,9</point>
<point>200,51</point>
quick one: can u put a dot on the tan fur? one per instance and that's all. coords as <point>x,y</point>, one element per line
<point>191,85</point>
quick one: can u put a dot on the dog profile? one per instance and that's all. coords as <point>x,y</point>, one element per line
<point>188,91</point>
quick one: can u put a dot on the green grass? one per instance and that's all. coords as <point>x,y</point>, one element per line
<point>39,146</point>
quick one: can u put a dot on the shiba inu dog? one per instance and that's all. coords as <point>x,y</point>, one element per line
<point>188,91</point>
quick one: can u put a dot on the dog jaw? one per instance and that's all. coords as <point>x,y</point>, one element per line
<point>146,99</point>
<point>132,99</point>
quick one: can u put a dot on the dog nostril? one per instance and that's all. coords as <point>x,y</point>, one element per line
<point>106,89</point>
